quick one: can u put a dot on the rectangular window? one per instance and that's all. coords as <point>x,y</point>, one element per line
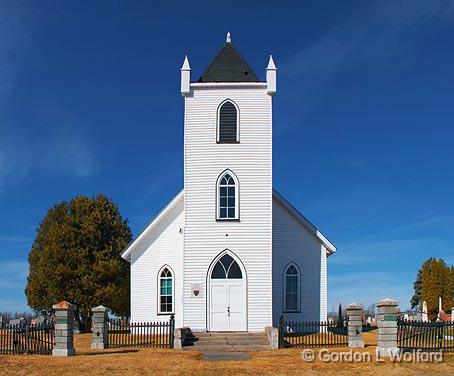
<point>227,203</point>
<point>291,293</point>
<point>166,305</point>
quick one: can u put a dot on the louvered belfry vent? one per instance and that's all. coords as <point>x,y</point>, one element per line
<point>228,119</point>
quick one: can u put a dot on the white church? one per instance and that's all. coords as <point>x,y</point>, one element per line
<point>228,253</point>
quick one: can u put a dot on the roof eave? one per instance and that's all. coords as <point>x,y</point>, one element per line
<point>330,247</point>
<point>126,253</point>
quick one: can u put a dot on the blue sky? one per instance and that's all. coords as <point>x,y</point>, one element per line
<point>363,121</point>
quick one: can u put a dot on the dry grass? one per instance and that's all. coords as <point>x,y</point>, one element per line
<point>171,362</point>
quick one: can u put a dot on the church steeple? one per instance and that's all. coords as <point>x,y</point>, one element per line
<point>229,66</point>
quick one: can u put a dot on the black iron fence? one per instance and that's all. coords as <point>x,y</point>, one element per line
<point>425,336</point>
<point>27,338</point>
<point>140,334</point>
<point>313,333</point>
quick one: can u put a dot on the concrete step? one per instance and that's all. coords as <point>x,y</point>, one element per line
<point>227,341</point>
<point>229,334</point>
<point>242,342</point>
<point>230,343</point>
<point>226,348</point>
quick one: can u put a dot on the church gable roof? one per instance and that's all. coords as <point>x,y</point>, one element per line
<point>153,224</point>
<point>330,247</point>
<point>177,200</point>
<point>228,66</point>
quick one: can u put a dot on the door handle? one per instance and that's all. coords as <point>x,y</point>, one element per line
<point>228,311</point>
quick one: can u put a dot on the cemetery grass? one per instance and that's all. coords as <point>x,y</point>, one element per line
<point>170,362</point>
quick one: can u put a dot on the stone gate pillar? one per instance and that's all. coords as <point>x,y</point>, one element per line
<point>64,329</point>
<point>100,328</point>
<point>387,327</point>
<point>355,325</point>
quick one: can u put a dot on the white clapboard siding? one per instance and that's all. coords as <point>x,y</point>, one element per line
<point>162,246</point>
<point>250,160</point>
<point>292,242</point>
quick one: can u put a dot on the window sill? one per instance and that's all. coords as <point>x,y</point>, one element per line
<point>292,311</point>
<point>227,220</point>
<point>227,142</point>
<point>166,314</point>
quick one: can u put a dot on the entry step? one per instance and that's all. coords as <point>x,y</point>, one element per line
<point>227,341</point>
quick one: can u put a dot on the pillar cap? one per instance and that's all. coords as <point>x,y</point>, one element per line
<point>354,306</point>
<point>100,308</point>
<point>64,305</point>
<point>387,302</point>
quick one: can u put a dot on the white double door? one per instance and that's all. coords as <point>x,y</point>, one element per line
<point>228,305</point>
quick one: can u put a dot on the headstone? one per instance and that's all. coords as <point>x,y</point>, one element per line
<point>387,327</point>
<point>424,314</point>
<point>64,329</point>
<point>355,325</point>
<point>100,328</point>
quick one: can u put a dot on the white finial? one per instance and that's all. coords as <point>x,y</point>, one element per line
<point>228,39</point>
<point>186,63</point>
<point>271,77</point>
<point>185,77</point>
<point>271,64</point>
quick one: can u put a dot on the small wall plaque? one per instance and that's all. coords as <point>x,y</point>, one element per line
<point>196,290</point>
<point>389,317</point>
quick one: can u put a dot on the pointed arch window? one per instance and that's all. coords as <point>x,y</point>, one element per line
<point>226,268</point>
<point>228,119</point>
<point>292,289</point>
<point>227,200</point>
<point>166,291</point>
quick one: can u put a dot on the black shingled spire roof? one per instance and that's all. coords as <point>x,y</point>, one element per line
<point>228,66</point>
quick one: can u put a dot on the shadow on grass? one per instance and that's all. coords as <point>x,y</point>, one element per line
<point>108,352</point>
<point>369,328</point>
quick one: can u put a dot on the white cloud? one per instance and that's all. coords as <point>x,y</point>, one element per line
<point>13,275</point>
<point>371,36</point>
<point>14,162</point>
<point>59,150</point>
<point>386,251</point>
<point>367,288</point>
<point>15,239</point>
<point>71,155</point>
<point>14,38</point>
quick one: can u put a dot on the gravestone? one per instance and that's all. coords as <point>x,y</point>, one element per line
<point>424,314</point>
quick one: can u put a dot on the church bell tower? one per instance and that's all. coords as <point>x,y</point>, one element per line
<point>228,192</point>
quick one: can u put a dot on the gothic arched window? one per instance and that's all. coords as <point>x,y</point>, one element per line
<point>291,289</point>
<point>166,289</point>
<point>226,268</point>
<point>227,201</point>
<point>227,122</point>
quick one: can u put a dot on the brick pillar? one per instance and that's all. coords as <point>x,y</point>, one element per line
<point>64,329</point>
<point>387,327</point>
<point>355,325</point>
<point>100,328</point>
